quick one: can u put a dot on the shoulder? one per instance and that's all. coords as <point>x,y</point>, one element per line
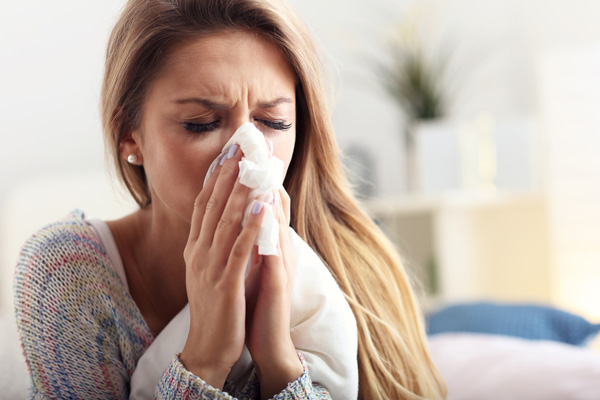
<point>64,263</point>
<point>69,232</point>
<point>67,245</point>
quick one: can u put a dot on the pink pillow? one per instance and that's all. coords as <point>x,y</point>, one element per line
<point>482,366</point>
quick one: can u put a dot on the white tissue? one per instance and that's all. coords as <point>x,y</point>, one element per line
<point>262,174</point>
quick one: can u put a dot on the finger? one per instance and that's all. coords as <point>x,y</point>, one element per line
<point>225,181</point>
<point>230,223</point>
<point>200,203</point>
<point>241,249</point>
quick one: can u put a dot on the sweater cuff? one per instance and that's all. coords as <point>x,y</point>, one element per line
<point>302,388</point>
<point>179,383</point>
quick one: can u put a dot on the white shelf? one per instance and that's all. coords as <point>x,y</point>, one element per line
<point>471,245</point>
<point>414,204</point>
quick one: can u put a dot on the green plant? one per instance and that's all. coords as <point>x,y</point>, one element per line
<point>415,84</point>
<point>415,75</point>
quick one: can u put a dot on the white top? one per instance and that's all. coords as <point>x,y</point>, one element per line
<point>108,242</point>
<point>323,328</point>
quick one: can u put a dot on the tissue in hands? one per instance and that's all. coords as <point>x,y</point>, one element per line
<point>261,173</point>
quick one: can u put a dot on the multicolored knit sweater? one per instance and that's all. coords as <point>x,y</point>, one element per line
<point>82,333</point>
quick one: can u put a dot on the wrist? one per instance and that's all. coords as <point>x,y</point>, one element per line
<point>274,375</point>
<point>287,370</point>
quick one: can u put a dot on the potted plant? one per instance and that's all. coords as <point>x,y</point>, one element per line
<point>415,77</point>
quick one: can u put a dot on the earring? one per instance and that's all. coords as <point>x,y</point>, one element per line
<point>131,159</point>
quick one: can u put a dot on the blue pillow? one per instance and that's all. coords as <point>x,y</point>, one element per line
<point>525,321</point>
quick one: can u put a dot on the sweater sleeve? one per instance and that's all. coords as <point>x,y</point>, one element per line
<point>80,331</point>
<point>179,383</point>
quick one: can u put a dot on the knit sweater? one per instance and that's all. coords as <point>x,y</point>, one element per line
<point>82,334</point>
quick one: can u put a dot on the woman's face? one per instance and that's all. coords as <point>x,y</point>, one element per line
<point>208,88</point>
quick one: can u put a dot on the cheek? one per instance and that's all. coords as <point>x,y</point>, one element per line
<point>176,173</point>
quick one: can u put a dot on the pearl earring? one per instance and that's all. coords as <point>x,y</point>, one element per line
<point>131,159</point>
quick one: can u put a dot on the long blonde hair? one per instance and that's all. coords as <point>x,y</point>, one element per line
<point>393,357</point>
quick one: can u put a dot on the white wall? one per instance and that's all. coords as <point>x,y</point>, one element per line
<point>570,103</point>
<point>50,75</point>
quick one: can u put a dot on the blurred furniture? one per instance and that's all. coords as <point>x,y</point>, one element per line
<point>467,246</point>
<point>525,321</point>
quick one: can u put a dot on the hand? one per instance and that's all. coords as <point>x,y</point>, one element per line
<point>216,255</point>
<point>268,332</point>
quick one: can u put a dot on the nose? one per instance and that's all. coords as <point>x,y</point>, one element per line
<point>235,122</point>
<point>238,116</point>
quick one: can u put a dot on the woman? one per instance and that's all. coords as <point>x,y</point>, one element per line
<point>181,76</point>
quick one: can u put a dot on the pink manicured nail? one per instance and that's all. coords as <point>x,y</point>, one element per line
<point>257,207</point>
<point>270,147</point>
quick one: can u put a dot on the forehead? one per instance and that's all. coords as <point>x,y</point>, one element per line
<point>227,61</point>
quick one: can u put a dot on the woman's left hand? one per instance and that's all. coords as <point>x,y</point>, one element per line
<point>268,311</point>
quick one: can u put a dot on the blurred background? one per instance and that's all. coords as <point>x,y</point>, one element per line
<point>471,129</point>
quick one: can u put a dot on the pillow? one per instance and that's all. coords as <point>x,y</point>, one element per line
<point>490,367</point>
<point>525,321</point>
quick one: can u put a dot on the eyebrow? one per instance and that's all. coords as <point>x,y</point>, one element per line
<point>206,103</point>
<point>276,102</point>
<point>217,106</point>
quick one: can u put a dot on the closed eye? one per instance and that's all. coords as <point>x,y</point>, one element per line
<point>200,128</point>
<point>277,125</point>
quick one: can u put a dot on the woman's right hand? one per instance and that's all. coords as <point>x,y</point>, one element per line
<point>216,256</point>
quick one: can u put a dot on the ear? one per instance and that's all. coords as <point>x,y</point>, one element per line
<point>131,145</point>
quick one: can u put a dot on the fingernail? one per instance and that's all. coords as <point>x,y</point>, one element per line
<point>223,158</point>
<point>270,147</point>
<point>274,199</point>
<point>232,150</point>
<point>257,208</point>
